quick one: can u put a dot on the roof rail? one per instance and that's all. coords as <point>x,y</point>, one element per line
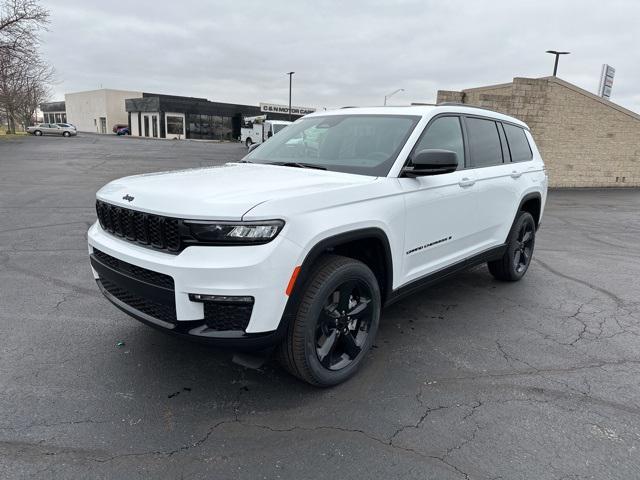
<point>459,104</point>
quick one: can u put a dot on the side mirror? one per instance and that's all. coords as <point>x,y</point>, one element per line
<point>253,146</point>
<point>431,162</point>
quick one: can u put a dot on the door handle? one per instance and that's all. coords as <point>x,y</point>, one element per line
<point>516,174</point>
<point>466,182</point>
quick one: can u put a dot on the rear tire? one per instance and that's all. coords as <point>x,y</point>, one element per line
<point>520,243</point>
<point>248,142</point>
<point>335,323</point>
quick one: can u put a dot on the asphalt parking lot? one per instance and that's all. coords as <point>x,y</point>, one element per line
<point>472,379</point>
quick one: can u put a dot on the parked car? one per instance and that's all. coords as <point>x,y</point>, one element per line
<point>119,126</point>
<point>123,131</point>
<point>69,125</point>
<point>51,129</point>
<point>299,246</point>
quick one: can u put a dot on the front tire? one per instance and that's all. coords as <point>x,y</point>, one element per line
<point>520,243</point>
<point>66,134</point>
<point>37,133</point>
<point>335,324</point>
<point>248,142</point>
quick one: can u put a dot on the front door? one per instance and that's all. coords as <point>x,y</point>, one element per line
<point>440,209</point>
<point>145,123</point>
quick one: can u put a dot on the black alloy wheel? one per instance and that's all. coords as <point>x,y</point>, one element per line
<point>523,247</point>
<point>515,262</point>
<point>338,308</point>
<point>343,325</point>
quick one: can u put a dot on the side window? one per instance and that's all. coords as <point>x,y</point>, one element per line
<point>444,133</point>
<point>518,143</point>
<point>484,143</point>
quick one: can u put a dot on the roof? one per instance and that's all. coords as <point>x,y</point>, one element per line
<point>565,84</point>
<point>592,96</point>
<point>53,106</point>
<point>421,110</point>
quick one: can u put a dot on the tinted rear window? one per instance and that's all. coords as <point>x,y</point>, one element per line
<point>484,142</point>
<point>518,143</point>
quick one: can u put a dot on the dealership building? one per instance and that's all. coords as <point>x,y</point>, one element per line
<point>585,140</point>
<point>169,116</point>
<point>160,116</point>
<point>54,112</point>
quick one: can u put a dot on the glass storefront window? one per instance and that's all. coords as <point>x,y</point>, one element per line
<point>175,125</point>
<point>209,127</point>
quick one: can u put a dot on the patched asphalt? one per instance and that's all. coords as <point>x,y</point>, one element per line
<point>471,379</point>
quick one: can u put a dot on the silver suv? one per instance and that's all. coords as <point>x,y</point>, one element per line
<point>51,129</point>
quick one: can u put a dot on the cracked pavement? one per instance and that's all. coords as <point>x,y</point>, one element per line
<point>471,379</point>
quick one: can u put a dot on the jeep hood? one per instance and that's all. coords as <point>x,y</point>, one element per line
<point>223,192</point>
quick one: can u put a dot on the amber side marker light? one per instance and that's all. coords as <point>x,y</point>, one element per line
<point>292,280</point>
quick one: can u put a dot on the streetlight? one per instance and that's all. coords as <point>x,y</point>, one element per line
<point>290,77</point>
<point>557,54</point>
<point>392,94</point>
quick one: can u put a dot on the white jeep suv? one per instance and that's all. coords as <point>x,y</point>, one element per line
<point>301,244</point>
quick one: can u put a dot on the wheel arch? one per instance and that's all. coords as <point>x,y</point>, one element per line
<point>369,245</point>
<point>532,203</point>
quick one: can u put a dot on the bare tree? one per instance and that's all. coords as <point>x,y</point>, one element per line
<point>24,76</point>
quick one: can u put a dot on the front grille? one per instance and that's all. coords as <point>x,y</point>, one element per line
<point>166,313</point>
<point>227,316</point>
<point>163,233</point>
<point>147,276</point>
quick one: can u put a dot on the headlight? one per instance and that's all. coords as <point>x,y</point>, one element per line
<point>233,233</point>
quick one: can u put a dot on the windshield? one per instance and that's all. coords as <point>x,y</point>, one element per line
<point>363,144</point>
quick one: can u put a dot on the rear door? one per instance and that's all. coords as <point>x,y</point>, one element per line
<point>497,179</point>
<point>440,209</point>
<point>50,129</point>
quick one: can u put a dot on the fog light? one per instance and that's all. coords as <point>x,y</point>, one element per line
<point>198,297</point>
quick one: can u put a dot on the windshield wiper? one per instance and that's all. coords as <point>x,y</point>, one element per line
<point>298,165</point>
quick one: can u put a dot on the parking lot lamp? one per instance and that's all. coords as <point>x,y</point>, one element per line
<point>290,77</point>
<point>557,54</point>
<point>392,94</point>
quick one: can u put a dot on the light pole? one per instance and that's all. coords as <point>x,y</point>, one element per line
<point>290,77</point>
<point>557,54</point>
<point>392,94</point>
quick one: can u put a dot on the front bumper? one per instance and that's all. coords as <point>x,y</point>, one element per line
<point>261,272</point>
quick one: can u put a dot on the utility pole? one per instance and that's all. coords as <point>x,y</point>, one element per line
<point>290,77</point>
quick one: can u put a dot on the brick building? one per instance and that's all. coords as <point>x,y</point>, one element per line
<point>586,141</point>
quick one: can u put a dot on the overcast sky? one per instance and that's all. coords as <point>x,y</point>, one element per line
<point>343,52</point>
